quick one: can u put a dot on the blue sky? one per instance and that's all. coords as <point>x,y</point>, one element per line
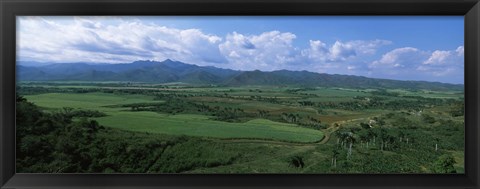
<point>395,47</point>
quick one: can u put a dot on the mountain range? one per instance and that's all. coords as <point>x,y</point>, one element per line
<point>174,71</point>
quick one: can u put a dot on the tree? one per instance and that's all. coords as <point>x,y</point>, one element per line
<point>436,143</point>
<point>263,113</point>
<point>296,161</point>
<point>401,135</point>
<point>444,164</point>
<point>381,122</point>
<point>20,98</point>
<point>372,135</point>
<point>334,157</point>
<point>341,136</point>
<point>350,139</point>
<point>382,133</point>
<point>364,137</point>
<point>365,125</point>
<point>428,119</point>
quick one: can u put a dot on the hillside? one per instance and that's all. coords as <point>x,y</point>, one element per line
<point>175,71</point>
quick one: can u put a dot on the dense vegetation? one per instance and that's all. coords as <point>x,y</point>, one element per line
<point>129,127</point>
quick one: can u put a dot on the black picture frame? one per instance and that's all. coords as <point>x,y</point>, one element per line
<point>11,8</point>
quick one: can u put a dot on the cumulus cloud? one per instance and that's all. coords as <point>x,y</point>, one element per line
<point>444,62</point>
<point>460,51</point>
<point>438,57</point>
<point>274,50</point>
<point>413,63</point>
<point>96,39</point>
<point>400,57</point>
<point>267,51</point>
<point>90,40</point>
<point>446,57</point>
<point>342,51</point>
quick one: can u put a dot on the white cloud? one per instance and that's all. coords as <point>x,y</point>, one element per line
<point>83,39</point>
<point>274,50</point>
<point>444,62</point>
<point>438,57</point>
<point>413,63</point>
<point>460,51</point>
<point>351,67</point>
<point>446,57</point>
<point>368,47</point>
<point>318,51</point>
<point>400,57</point>
<point>267,51</point>
<point>120,40</point>
<point>342,51</point>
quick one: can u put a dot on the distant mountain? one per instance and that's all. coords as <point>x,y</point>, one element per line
<point>175,71</point>
<point>32,63</point>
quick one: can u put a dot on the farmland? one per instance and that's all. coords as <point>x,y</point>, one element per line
<point>248,129</point>
<point>194,125</point>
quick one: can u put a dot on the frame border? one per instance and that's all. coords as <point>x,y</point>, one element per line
<point>9,9</point>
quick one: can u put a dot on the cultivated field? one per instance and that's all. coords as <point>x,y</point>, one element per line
<point>181,124</point>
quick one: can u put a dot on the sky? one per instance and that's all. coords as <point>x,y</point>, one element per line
<point>428,48</point>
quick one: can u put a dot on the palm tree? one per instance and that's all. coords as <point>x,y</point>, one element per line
<point>350,139</point>
<point>390,141</point>
<point>364,138</point>
<point>401,135</point>
<point>371,134</point>
<point>334,158</point>
<point>383,136</point>
<point>339,136</point>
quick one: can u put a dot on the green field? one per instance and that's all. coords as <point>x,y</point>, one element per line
<point>194,125</point>
<point>85,101</point>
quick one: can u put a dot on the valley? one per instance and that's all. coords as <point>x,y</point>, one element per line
<point>260,129</point>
